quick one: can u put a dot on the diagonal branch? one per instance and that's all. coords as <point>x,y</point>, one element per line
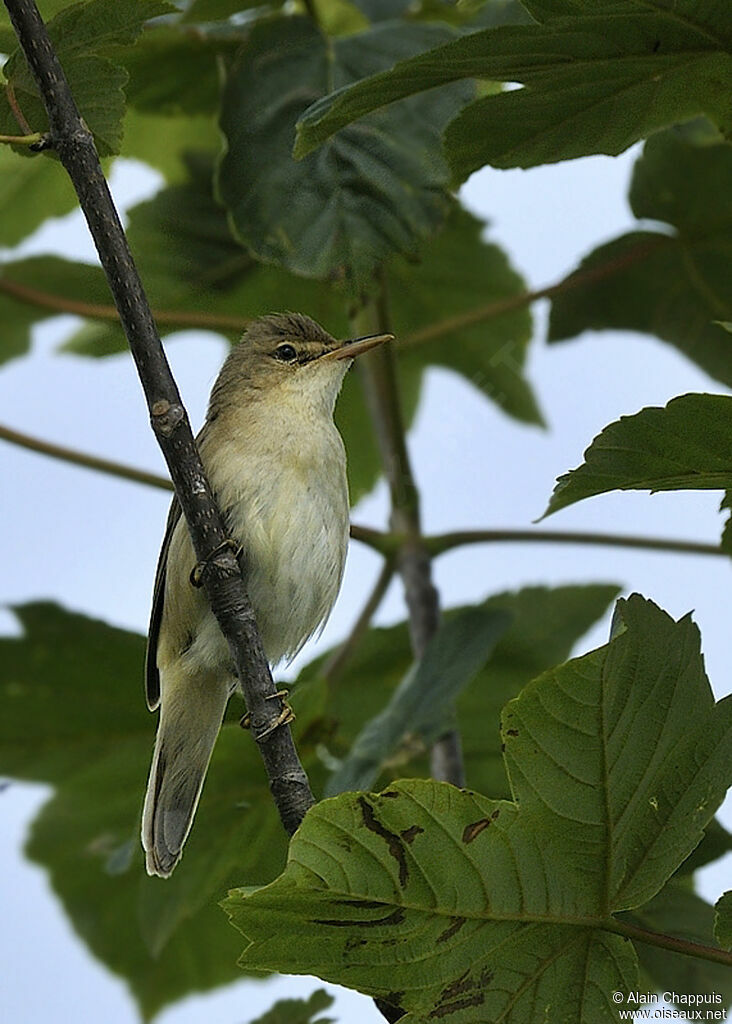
<point>224,584</point>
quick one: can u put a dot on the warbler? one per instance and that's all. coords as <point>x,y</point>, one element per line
<point>277,467</point>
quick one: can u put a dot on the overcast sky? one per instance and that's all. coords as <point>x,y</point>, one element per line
<point>91,542</point>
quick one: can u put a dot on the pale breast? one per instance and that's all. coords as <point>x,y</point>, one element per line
<point>291,517</point>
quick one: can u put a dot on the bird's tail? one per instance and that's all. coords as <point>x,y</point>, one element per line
<point>190,719</point>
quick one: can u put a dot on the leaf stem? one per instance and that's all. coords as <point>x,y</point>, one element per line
<point>22,140</point>
<point>100,311</point>
<point>514,302</point>
<point>438,544</point>
<point>15,107</point>
<point>701,952</point>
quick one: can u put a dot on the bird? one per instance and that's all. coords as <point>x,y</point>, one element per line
<point>277,467</point>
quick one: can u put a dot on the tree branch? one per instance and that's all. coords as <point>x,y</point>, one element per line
<point>223,581</point>
<point>379,376</point>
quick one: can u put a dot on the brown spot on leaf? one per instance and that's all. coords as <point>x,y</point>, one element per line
<point>453,929</point>
<point>445,1009</point>
<point>512,732</point>
<point>396,917</point>
<point>462,984</point>
<point>394,843</point>
<point>409,834</point>
<point>472,831</point>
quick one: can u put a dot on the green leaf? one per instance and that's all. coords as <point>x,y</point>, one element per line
<point>299,1011</point>
<point>31,190</point>
<point>173,71</point>
<point>595,81</point>
<point>408,896</point>
<point>438,293</point>
<point>723,920</point>
<point>678,911</point>
<point>716,842</point>
<point>25,286</point>
<point>379,189</point>
<point>163,142</point>
<point>422,706</point>
<point>545,625</point>
<point>164,939</point>
<point>673,285</point>
<point>84,35</point>
<point>442,901</point>
<point>683,446</point>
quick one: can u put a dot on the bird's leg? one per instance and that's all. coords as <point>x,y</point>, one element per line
<point>285,716</point>
<point>199,568</point>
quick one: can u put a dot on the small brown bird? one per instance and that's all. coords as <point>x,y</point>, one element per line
<point>277,466</point>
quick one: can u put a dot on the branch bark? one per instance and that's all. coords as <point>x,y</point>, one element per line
<point>223,581</point>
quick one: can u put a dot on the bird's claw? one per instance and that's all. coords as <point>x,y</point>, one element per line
<point>285,716</point>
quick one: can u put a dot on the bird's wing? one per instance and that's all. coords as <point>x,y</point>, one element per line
<point>152,676</point>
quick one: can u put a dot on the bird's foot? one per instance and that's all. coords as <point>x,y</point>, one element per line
<point>199,569</point>
<point>285,716</point>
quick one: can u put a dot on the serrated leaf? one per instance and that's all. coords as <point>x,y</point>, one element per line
<point>422,706</point>
<point>431,924</point>
<point>96,756</point>
<point>678,911</point>
<point>595,79</point>
<point>674,285</point>
<point>455,276</point>
<point>723,920</point>
<point>378,190</point>
<point>84,35</point>
<point>444,902</point>
<point>683,446</point>
<point>299,1011</point>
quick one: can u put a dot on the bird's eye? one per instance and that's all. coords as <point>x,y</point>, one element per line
<point>285,353</point>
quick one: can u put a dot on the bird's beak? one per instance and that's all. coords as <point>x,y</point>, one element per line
<point>356,346</point>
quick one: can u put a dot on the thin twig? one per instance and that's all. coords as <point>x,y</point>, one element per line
<point>224,583</point>
<point>439,543</point>
<point>100,311</point>
<point>335,664</point>
<point>509,305</point>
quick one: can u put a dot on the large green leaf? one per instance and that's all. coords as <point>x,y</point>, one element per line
<point>597,77</point>
<point>422,706</point>
<point>444,902</point>
<point>84,37</point>
<point>545,624</point>
<point>24,286</point>
<point>674,285</point>
<point>377,190</point>
<point>684,446</point>
<point>73,716</point>
<point>30,191</point>
<point>457,274</point>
